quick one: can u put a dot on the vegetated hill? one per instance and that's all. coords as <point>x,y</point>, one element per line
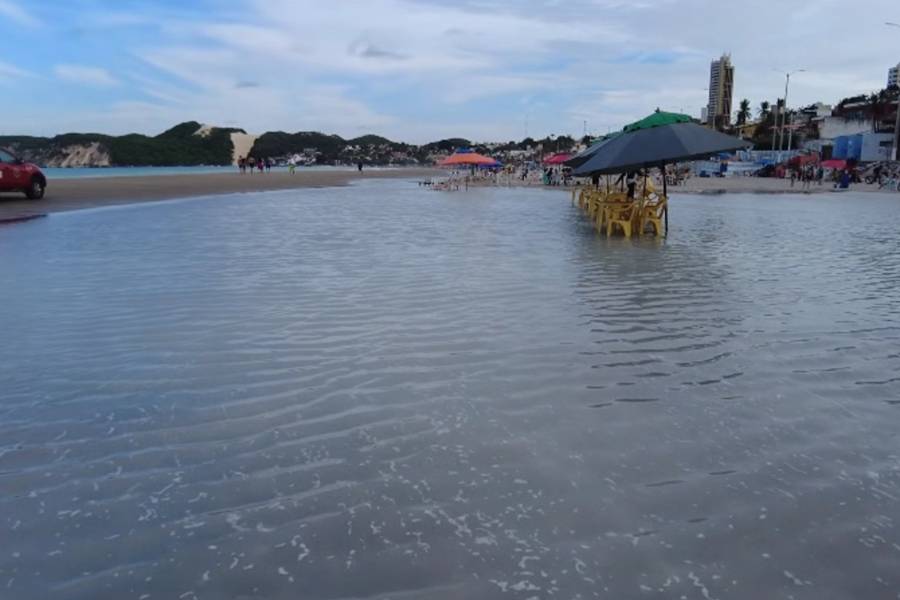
<point>279,143</point>
<point>448,145</point>
<point>373,140</point>
<point>174,147</point>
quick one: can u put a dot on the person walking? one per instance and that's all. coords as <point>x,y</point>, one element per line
<point>261,165</point>
<point>251,164</point>
<point>359,166</point>
<point>269,164</point>
<point>242,164</point>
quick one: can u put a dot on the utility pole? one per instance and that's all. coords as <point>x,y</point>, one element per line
<point>775,124</point>
<point>790,131</point>
<point>787,84</point>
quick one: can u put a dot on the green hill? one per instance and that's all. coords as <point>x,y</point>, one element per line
<point>279,143</point>
<point>178,146</point>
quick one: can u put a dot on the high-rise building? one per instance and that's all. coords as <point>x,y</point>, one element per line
<point>721,86</point>
<point>894,76</point>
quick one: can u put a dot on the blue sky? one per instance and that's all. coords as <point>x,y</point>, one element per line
<point>418,70</point>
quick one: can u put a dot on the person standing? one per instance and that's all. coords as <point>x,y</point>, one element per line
<point>359,166</point>
<point>242,164</point>
<point>251,163</point>
<point>631,183</point>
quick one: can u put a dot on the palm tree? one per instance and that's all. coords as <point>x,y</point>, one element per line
<point>744,112</point>
<point>873,107</point>
<point>764,107</point>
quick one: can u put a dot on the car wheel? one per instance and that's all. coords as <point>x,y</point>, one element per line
<point>36,191</point>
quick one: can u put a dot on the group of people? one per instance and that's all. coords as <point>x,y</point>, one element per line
<point>557,176</point>
<point>807,175</point>
<point>250,163</point>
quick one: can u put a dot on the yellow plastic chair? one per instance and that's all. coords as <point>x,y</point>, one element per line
<point>621,215</point>
<point>605,203</point>
<point>653,212</point>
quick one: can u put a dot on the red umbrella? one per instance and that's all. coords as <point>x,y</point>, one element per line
<point>466,158</point>
<point>557,159</point>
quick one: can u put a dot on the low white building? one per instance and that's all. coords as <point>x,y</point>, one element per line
<point>833,127</point>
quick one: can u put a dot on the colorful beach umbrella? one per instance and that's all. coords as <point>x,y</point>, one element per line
<point>557,159</point>
<point>459,159</point>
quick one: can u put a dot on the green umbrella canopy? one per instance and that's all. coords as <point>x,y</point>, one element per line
<point>657,119</point>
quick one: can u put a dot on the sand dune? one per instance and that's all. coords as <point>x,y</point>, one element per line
<point>243,142</point>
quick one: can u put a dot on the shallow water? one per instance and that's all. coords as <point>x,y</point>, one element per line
<point>386,392</point>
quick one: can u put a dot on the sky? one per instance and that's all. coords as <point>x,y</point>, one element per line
<point>420,70</point>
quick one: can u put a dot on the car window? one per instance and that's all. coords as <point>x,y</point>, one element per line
<point>6,157</point>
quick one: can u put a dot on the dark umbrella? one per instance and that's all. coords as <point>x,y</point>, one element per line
<point>656,141</point>
<point>657,146</point>
<point>586,154</point>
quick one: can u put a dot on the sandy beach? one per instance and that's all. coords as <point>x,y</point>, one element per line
<point>75,194</point>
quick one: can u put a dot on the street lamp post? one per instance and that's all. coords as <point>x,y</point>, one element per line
<point>787,84</point>
<point>896,149</point>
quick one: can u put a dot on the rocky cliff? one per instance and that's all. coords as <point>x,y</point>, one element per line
<point>183,145</point>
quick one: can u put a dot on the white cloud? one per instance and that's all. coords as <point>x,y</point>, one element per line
<point>8,71</point>
<point>419,69</point>
<point>16,14</point>
<point>93,76</point>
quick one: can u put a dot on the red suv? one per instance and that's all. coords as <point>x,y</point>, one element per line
<point>16,175</point>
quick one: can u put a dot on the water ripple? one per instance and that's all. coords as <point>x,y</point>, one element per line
<point>386,392</point>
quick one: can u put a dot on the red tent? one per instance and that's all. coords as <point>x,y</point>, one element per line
<point>803,159</point>
<point>834,164</point>
<point>466,158</point>
<point>557,159</point>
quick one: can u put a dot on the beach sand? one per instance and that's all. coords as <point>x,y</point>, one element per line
<point>74,194</point>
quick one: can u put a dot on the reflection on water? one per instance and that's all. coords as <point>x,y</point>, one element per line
<point>384,392</point>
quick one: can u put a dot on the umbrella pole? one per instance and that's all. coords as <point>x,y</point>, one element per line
<point>666,196</point>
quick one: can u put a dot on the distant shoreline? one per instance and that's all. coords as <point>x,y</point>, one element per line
<point>94,192</point>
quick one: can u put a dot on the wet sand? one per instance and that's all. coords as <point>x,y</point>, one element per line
<point>75,194</point>
<point>759,185</point>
